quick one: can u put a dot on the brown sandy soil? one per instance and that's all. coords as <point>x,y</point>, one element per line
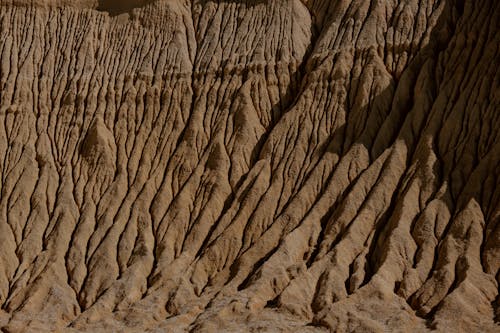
<point>249,166</point>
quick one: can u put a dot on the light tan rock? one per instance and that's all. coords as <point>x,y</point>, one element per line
<point>249,166</point>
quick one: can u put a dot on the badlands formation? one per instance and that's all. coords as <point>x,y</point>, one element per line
<point>249,165</point>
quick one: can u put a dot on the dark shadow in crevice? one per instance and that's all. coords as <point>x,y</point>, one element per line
<point>117,7</point>
<point>496,307</point>
<point>247,3</point>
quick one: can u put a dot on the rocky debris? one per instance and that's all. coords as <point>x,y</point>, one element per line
<point>226,166</point>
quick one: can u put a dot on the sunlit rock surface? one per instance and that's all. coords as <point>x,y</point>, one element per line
<point>249,166</point>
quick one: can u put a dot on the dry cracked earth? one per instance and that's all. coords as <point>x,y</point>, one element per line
<point>249,166</point>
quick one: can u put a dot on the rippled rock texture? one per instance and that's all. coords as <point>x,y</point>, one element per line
<point>249,166</point>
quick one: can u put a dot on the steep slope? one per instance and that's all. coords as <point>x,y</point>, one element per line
<point>213,166</point>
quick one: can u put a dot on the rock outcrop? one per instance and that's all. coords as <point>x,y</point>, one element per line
<point>249,165</point>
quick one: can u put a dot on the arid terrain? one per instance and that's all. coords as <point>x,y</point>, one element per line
<point>249,166</point>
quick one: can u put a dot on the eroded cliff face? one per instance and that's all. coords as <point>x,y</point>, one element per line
<point>214,166</point>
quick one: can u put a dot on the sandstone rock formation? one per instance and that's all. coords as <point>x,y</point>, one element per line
<point>249,165</point>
